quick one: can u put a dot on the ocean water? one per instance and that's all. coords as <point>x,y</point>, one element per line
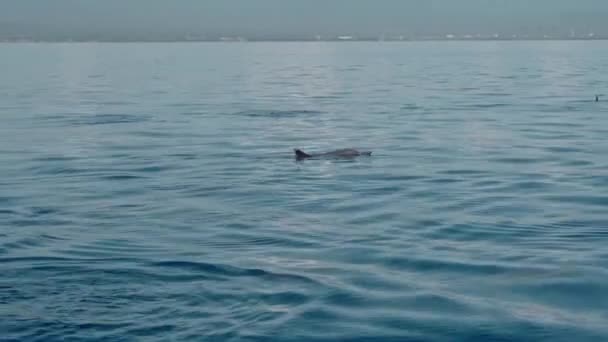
<point>149,192</point>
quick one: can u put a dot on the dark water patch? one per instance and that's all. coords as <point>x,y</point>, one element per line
<point>42,211</point>
<point>153,169</point>
<point>290,298</point>
<point>54,159</point>
<point>122,177</point>
<point>563,149</point>
<point>155,134</point>
<point>281,83</point>
<point>57,170</point>
<point>595,180</point>
<point>8,199</point>
<point>9,212</point>
<point>598,130</point>
<point>525,187</point>
<point>576,162</point>
<point>184,156</point>
<point>51,237</point>
<point>545,125</point>
<point>39,222</point>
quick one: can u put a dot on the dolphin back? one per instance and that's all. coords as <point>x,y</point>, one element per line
<point>343,153</point>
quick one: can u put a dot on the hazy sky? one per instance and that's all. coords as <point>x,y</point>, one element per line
<point>303,17</point>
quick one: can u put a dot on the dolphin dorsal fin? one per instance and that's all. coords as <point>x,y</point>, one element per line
<point>301,154</point>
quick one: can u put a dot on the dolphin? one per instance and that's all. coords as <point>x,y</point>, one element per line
<point>343,153</point>
<point>597,98</point>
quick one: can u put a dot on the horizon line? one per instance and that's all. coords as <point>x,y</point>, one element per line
<point>438,39</point>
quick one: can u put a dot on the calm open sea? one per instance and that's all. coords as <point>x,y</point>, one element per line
<point>149,192</point>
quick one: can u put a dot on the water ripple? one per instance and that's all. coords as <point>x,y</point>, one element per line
<point>142,200</point>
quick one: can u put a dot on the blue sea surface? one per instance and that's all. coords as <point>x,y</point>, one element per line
<point>150,192</point>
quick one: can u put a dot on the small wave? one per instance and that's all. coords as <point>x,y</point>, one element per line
<point>187,104</point>
<point>32,259</point>
<point>241,241</point>
<point>53,159</point>
<point>580,199</point>
<point>56,170</point>
<point>279,113</point>
<point>231,271</point>
<point>443,266</point>
<point>411,106</point>
<point>494,94</point>
<point>149,330</point>
<point>326,97</point>
<point>123,177</point>
<point>563,149</point>
<point>96,119</point>
<point>116,103</point>
<point>24,243</point>
<point>463,172</point>
<point>489,105</point>
<point>152,169</point>
<point>514,160</point>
